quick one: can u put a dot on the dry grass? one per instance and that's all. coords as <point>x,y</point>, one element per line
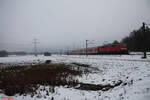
<point>25,79</point>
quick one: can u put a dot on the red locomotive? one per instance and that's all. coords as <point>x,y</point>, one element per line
<point>106,49</point>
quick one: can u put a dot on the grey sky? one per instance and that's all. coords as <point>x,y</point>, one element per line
<point>68,23</point>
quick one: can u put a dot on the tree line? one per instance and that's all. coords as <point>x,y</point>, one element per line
<point>138,40</point>
<point>3,53</point>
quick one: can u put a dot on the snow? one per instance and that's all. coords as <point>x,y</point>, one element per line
<point>130,69</point>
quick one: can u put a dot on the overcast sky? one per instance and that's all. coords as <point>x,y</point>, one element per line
<point>68,23</point>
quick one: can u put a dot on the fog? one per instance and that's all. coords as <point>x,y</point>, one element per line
<point>66,24</point>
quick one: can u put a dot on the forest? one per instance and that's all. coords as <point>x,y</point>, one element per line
<point>138,40</point>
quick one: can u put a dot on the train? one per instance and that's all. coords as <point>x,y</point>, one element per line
<point>99,50</point>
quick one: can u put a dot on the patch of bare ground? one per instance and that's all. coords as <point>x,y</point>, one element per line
<point>86,67</point>
<point>80,64</point>
<point>26,79</point>
<point>94,87</point>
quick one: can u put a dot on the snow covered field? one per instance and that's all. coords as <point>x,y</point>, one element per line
<point>133,71</point>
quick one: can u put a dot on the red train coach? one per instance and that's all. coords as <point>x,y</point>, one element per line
<point>106,49</point>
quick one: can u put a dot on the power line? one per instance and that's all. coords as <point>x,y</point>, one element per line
<point>87,42</point>
<point>35,42</point>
